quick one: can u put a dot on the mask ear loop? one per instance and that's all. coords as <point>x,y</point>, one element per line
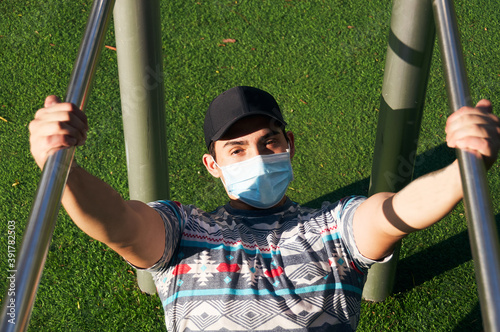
<point>215,162</point>
<point>221,178</point>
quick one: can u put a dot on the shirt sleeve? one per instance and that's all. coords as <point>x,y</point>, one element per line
<point>348,207</point>
<point>174,218</point>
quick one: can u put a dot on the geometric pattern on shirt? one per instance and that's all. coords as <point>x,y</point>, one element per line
<point>286,271</point>
<point>306,274</point>
<point>244,315</point>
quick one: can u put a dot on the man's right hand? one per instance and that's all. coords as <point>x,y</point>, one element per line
<point>55,127</point>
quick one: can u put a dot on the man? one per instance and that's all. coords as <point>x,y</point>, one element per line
<point>260,262</point>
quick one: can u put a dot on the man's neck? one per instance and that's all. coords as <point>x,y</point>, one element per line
<point>239,205</point>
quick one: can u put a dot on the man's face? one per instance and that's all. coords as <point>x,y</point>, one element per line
<point>248,138</point>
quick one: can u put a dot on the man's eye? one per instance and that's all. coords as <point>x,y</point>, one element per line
<point>271,141</point>
<point>237,151</point>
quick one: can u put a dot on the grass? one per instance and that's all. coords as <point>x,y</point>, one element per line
<point>322,60</point>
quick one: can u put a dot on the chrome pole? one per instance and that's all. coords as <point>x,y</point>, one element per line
<point>25,277</point>
<point>482,229</point>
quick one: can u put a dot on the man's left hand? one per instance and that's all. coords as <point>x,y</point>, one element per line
<point>475,129</point>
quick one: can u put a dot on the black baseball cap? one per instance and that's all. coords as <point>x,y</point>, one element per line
<point>235,104</point>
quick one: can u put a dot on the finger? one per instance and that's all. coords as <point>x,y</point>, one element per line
<point>72,109</point>
<point>485,147</point>
<point>485,105</point>
<point>67,117</point>
<point>60,141</point>
<point>486,132</point>
<point>59,123</point>
<point>470,118</point>
<point>466,114</point>
<point>57,107</point>
<point>57,112</point>
<point>51,100</point>
<point>43,130</point>
<point>466,110</point>
<point>482,130</point>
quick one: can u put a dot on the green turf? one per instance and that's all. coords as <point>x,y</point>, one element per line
<point>322,60</point>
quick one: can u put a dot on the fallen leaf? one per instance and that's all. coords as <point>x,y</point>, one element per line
<point>303,101</point>
<point>110,47</point>
<point>229,40</point>
<point>224,45</point>
<point>350,27</point>
<point>52,44</point>
<point>15,183</point>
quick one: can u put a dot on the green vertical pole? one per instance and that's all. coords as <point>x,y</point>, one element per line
<point>409,51</point>
<point>140,70</point>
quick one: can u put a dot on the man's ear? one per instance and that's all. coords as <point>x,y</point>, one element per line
<point>210,165</point>
<point>291,141</point>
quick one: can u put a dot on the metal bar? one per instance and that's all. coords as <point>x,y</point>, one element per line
<point>482,229</point>
<point>409,52</point>
<point>140,68</point>
<point>41,223</point>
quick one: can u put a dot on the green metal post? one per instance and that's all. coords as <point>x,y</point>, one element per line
<point>140,69</point>
<point>411,40</point>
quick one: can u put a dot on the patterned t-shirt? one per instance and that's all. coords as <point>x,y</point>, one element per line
<point>289,268</point>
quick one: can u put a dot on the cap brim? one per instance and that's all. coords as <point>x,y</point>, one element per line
<point>220,133</point>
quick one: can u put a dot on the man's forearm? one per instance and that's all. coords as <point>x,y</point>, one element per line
<point>96,208</point>
<point>385,218</point>
<point>426,200</point>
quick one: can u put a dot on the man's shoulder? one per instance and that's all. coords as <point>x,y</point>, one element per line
<point>176,205</point>
<point>347,202</point>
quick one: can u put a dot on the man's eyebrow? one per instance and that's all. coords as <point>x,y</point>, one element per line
<point>244,142</point>
<point>235,142</point>
<point>272,133</point>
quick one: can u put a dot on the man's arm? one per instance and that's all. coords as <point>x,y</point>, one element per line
<point>131,228</point>
<point>385,218</point>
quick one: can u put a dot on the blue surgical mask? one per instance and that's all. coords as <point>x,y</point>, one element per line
<point>261,181</point>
